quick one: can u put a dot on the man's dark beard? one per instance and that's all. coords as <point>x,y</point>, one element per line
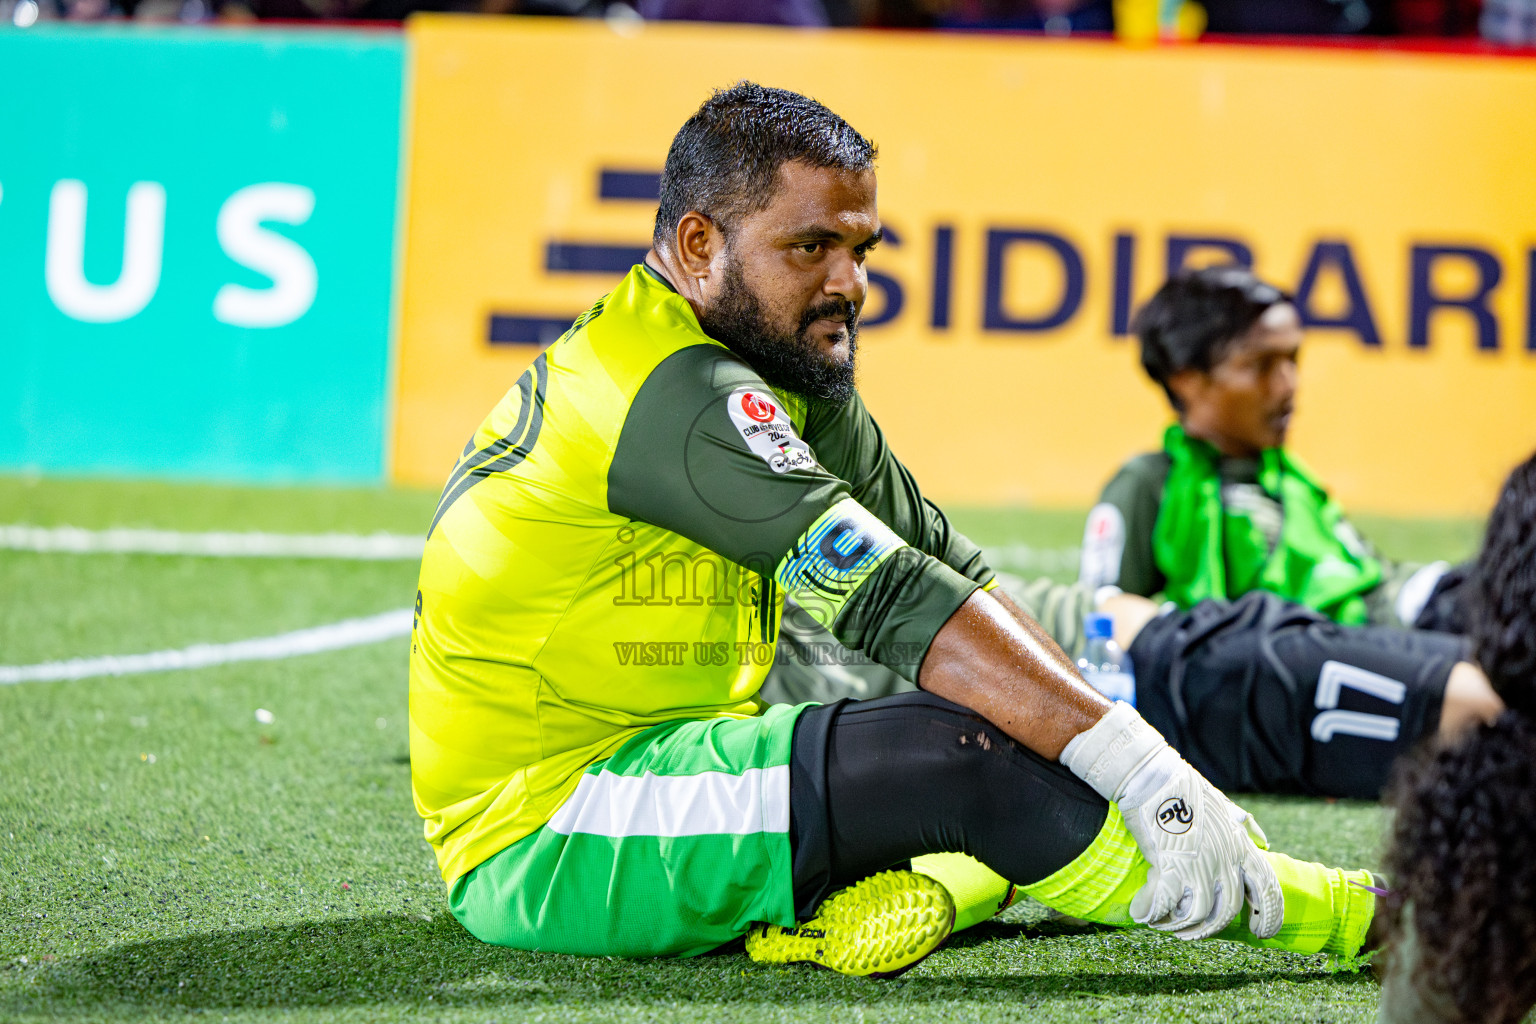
<point>790,361</point>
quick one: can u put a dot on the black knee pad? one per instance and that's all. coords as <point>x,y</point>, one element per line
<point>875,783</point>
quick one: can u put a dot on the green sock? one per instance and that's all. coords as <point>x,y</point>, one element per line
<point>1325,910</point>
<point>1098,885</point>
<point>979,892</point>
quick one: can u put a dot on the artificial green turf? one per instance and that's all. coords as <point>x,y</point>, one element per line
<point>101,503</point>
<point>164,855</point>
<point>121,604</point>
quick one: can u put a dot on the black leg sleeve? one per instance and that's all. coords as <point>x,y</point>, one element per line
<point>875,783</point>
<point>1263,695</point>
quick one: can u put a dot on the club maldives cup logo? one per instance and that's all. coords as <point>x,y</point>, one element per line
<point>756,409</point>
<point>768,432</point>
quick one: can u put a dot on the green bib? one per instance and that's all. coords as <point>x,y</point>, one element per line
<point>1205,551</point>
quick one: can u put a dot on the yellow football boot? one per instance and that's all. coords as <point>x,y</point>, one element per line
<point>876,928</point>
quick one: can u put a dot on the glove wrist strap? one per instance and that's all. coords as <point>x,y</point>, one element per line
<point>1112,751</point>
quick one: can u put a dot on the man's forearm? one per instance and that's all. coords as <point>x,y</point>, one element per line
<point>995,659</point>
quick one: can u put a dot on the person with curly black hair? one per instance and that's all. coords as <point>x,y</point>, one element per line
<point>1462,912</point>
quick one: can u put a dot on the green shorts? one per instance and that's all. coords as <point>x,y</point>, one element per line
<point>671,847</point>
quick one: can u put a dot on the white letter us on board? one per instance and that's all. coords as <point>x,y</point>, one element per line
<point>244,240</point>
<point>64,262</point>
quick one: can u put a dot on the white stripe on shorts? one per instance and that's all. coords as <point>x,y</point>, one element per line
<point>709,803</point>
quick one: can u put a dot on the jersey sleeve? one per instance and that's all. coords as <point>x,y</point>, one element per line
<point>1117,540</point>
<point>856,450</point>
<point>709,452</point>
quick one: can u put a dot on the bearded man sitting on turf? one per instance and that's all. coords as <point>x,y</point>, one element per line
<point>588,751</point>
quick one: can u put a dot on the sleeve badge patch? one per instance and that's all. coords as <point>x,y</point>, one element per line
<point>764,424</point>
<point>1103,546</point>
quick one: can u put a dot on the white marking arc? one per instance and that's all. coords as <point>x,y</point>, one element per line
<point>337,635</point>
<point>349,633</point>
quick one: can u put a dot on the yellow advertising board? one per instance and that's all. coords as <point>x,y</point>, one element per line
<point>1034,192</point>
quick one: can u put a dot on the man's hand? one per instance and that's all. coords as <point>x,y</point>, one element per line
<point>1203,848</point>
<point>994,659</point>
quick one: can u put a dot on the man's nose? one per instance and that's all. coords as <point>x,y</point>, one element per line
<point>1286,377</point>
<point>1289,372</point>
<point>847,279</point>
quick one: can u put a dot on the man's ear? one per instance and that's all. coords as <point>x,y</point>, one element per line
<point>1186,385</point>
<point>698,241</point>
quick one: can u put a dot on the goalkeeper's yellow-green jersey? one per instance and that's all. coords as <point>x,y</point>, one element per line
<point>612,550</point>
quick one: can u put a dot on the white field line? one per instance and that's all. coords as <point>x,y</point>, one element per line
<point>337,635</point>
<point>73,540</point>
<point>1019,558</point>
<point>376,546</point>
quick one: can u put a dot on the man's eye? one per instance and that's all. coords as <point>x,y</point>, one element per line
<point>810,248</point>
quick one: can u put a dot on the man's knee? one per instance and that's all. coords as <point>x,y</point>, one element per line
<point>928,742</point>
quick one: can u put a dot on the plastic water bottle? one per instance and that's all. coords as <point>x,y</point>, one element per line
<point>1104,665</point>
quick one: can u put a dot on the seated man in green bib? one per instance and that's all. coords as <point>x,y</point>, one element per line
<point>1224,507</point>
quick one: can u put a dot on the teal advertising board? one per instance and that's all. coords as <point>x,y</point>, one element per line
<point>197,250</point>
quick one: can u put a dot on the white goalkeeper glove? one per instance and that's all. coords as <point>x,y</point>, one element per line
<point>1203,849</point>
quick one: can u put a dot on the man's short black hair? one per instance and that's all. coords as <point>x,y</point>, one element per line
<point>724,161</point>
<point>1196,316</point>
